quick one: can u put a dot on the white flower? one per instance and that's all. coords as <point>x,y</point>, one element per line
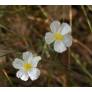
<point>27,67</point>
<point>61,36</point>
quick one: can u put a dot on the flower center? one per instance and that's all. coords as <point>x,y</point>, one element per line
<point>27,67</point>
<point>58,36</point>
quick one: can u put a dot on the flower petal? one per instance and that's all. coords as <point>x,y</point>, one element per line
<point>49,38</point>
<point>22,75</point>
<point>17,63</point>
<point>68,40</point>
<point>65,28</point>
<point>35,61</point>
<point>59,47</point>
<point>55,25</point>
<point>27,56</point>
<point>34,74</point>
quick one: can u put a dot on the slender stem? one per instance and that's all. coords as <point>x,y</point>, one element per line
<point>69,50</point>
<point>43,11</point>
<point>83,68</point>
<point>70,15</point>
<point>82,45</point>
<point>6,75</point>
<point>88,21</point>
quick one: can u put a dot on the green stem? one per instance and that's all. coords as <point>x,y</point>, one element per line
<point>83,68</point>
<point>88,21</point>
<point>8,78</point>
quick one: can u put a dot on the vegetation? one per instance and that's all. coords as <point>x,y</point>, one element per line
<point>23,28</point>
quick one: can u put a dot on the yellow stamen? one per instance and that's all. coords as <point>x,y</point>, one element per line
<point>58,36</point>
<point>27,67</point>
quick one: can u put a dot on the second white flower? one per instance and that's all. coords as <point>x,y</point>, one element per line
<point>27,66</point>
